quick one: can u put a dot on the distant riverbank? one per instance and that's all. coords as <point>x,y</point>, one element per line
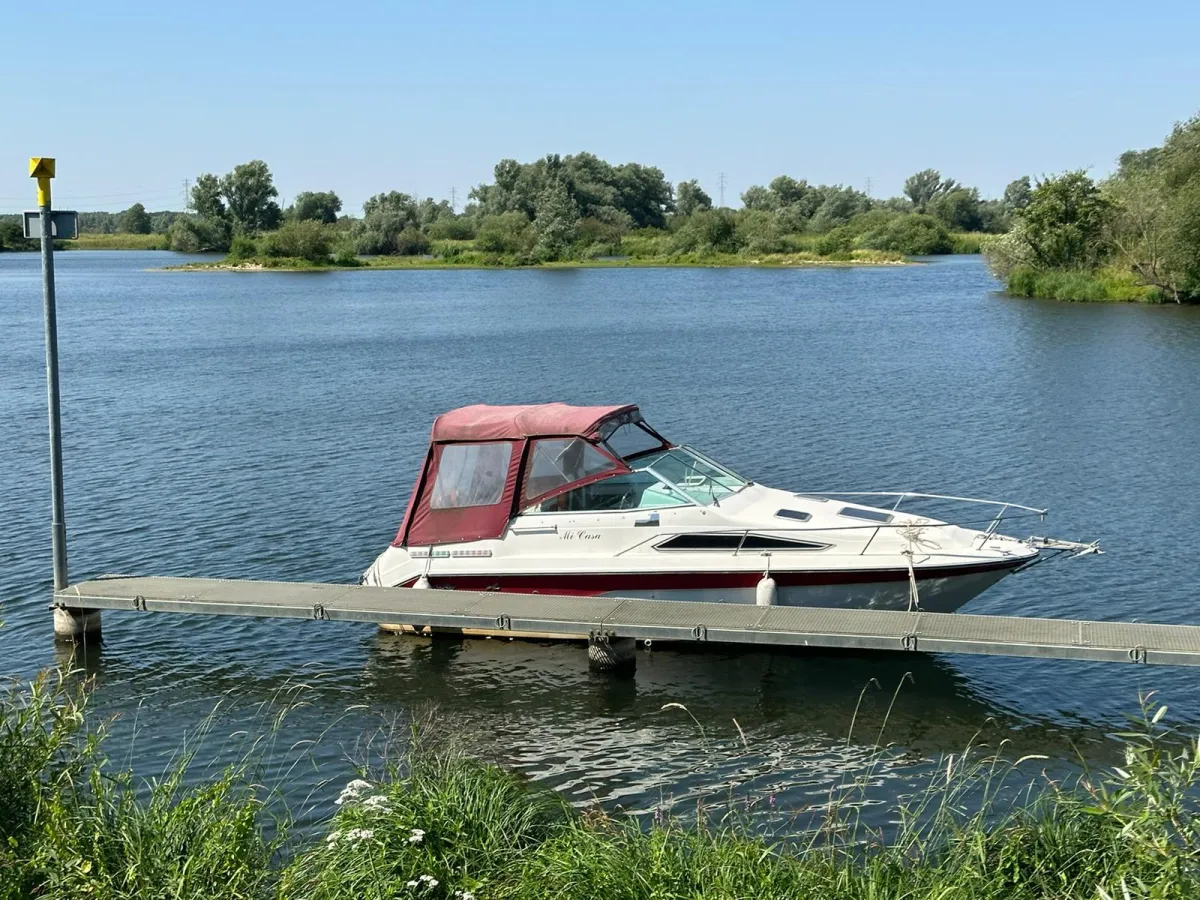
<point>480,261</point>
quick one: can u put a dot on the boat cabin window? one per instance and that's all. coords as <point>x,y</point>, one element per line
<point>471,475</point>
<point>735,542</point>
<point>636,490</point>
<point>559,461</point>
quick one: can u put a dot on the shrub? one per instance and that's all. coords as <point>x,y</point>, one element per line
<point>708,231</point>
<point>411,242</point>
<point>504,233</point>
<point>599,238</point>
<point>192,234</point>
<point>838,242</point>
<point>915,235</point>
<point>759,231</point>
<point>453,228</point>
<point>301,239</point>
<point>243,247</point>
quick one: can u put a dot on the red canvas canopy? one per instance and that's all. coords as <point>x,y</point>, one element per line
<point>486,463</point>
<point>501,423</point>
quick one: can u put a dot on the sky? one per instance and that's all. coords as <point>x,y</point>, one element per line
<point>426,97</point>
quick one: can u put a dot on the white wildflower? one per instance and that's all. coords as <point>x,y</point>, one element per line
<point>359,834</point>
<point>430,881</point>
<point>464,895</point>
<point>378,803</point>
<point>417,836</point>
<point>333,838</point>
<point>352,791</point>
<point>411,884</point>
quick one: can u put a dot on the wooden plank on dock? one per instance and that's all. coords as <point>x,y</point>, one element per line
<point>577,617</point>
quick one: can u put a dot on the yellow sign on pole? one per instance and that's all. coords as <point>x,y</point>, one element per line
<point>41,167</point>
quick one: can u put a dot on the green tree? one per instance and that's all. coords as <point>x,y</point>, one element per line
<point>758,197</point>
<point>556,224</point>
<point>788,191</point>
<point>206,199</point>
<point>12,235</point>
<point>1064,223</point>
<point>958,209</point>
<point>315,206</point>
<point>922,187</point>
<point>385,216</point>
<point>838,206</point>
<point>690,197</point>
<point>135,220</point>
<point>249,193</point>
<point>1016,195</point>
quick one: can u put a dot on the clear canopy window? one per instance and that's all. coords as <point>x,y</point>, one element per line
<point>626,436</point>
<point>560,461</point>
<point>471,475</point>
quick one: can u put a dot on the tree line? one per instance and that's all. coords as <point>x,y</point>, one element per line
<point>580,206</point>
<point>1132,236</point>
<point>570,207</point>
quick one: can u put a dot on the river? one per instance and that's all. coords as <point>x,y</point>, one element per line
<point>270,425</point>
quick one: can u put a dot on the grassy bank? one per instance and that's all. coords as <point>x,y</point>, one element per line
<point>473,259</point>
<point>439,824</point>
<point>1104,285</point>
<point>117,242</point>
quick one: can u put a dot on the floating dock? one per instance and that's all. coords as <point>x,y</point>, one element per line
<point>607,620</point>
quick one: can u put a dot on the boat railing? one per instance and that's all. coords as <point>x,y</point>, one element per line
<point>993,524</point>
<point>913,531</point>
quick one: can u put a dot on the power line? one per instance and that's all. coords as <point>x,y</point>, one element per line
<point>721,187</point>
<point>453,200</point>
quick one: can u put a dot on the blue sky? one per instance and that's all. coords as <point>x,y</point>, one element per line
<point>364,97</point>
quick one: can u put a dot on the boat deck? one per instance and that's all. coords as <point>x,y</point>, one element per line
<point>714,623</point>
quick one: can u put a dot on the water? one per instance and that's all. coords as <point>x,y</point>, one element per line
<point>270,425</point>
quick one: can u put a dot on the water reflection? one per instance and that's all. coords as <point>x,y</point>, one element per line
<point>688,724</point>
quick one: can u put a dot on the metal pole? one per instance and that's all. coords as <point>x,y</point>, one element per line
<point>58,534</point>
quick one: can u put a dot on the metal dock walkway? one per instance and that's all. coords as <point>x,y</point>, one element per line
<point>714,623</point>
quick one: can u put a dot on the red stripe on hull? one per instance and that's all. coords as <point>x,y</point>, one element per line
<point>589,584</point>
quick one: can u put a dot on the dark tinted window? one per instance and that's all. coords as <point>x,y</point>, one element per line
<point>794,514</point>
<point>734,541</point>
<point>869,515</point>
<point>701,542</point>
<point>762,542</point>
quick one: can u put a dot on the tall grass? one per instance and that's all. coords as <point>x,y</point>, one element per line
<point>1103,285</point>
<point>92,241</point>
<point>432,822</point>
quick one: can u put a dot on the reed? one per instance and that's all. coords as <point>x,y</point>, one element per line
<point>119,241</point>
<point>434,822</point>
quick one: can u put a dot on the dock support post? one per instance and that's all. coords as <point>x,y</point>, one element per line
<point>68,624</point>
<point>609,653</point>
<point>76,625</point>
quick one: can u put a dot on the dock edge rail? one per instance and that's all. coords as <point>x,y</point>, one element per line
<point>652,620</point>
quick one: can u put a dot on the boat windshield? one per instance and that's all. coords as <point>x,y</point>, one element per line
<point>692,474</point>
<point>680,476</point>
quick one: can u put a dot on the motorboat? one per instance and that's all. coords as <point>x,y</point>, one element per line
<point>593,501</point>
